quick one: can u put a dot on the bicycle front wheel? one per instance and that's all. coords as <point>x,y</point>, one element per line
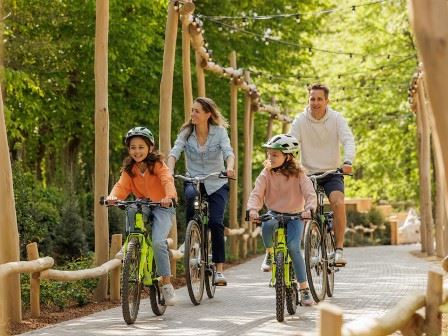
<point>315,263</point>
<point>131,284</point>
<point>330,248</point>
<point>280,286</point>
<point>210,271</point>
<point>194,267</point>
<point>156,298</point>
<point>292,295</point>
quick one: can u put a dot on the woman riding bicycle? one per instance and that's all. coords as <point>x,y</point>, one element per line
<point>145,175</point>
<point>284,188</point>
<point>207,145</point>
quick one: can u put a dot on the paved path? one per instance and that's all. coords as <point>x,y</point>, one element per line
<point>373,282</point>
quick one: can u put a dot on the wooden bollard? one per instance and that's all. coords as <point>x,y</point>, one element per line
<point>434,298</point>
<point>114,285</point>
<point>330,322</point>
<point>33,254</point>
<point>394,232</point>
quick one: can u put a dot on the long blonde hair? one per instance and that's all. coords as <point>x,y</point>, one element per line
<point>209,106</point>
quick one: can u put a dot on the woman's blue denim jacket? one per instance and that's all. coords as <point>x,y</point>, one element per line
<point>218,149</point>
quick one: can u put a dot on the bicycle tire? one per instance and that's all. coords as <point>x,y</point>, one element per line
<point>158,306</point>
<point>315,263</point>
<point>131,284</point>
<point>210,271</point>
<point>292,295</point>
<point>331,268</point>
<point>193,263</point>
<point>279,287</point>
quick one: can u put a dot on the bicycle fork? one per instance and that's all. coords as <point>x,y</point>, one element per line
<point>280,246</point>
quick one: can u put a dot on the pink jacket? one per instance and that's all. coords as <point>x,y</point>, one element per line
<point>282,194</point>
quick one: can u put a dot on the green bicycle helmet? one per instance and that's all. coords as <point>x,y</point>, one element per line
<point>285,143</point>
<point>139,131</point>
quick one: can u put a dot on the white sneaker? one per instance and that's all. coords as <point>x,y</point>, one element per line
<point>266,265</point>
<point>220,280</point>
<point>169,295</point>
<point>339,259</point>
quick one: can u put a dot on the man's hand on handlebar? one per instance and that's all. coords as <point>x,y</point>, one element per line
<point>347,168</point>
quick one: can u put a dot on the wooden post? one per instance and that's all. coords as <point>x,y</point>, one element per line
<point>233,204</point>
<point>247,164</point>
<point>429,20</point>
<point>286,125</point>
<point>434,298</point>
<point>330,322</point>
<point>393,232</point>
<point>101,142</point>
<point>114,288</point>
<point>440,222</point>
<point>33,254</point>
<point>186,66</point>
<point>9,237</point>
<point>166,99</point>
<point>424,159</point>
<point>200,75</point>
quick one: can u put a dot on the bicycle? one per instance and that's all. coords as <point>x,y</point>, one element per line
<point>139,268</point>
<point>320,245</point>
<point>199,269</point>
<point>283,277</point>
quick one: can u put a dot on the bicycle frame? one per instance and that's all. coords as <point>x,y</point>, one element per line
<point>280,236</point>
<point>145,271</point>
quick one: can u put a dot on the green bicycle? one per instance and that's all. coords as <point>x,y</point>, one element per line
<point>139,268</point>
<point>283,276</point>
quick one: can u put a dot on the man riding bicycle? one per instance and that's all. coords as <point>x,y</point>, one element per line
<point>320,131</point>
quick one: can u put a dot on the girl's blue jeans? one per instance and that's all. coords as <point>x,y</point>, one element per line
<point>294,230</point>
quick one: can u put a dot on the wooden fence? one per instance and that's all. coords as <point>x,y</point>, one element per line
<point>414,315</point>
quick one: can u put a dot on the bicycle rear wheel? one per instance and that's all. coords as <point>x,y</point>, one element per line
<point>315,263</point>
<point>210,271</point>
<point>292,295</point>
<point>331,269</point>
<point>194,267</point>
<point>131,284</point>
<point>280,287</point>
<point>156,298</point>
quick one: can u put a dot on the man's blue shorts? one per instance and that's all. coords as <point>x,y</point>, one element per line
<point>332,183</point>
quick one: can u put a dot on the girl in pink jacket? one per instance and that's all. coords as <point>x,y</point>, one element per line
<point>284,188</point>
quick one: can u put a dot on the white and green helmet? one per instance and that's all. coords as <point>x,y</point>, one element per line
<point>285,143</point>
<point>139,131</point>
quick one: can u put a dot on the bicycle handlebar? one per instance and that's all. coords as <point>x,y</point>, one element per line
<point>268,216</point>
<point>118,203</point>
<point>319,176</point>
<point>199,178</point>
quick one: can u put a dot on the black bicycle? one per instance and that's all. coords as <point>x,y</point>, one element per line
<point>200,271</point>
<point>320,244</point>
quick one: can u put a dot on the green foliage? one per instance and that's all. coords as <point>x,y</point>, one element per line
<point>50,106</point>
<point>63,294</point>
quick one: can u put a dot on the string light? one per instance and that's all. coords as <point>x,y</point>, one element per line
<point>296,16</point>
<point>233,29</point>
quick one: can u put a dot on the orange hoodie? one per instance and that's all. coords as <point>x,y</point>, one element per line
<point>151,186</point>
